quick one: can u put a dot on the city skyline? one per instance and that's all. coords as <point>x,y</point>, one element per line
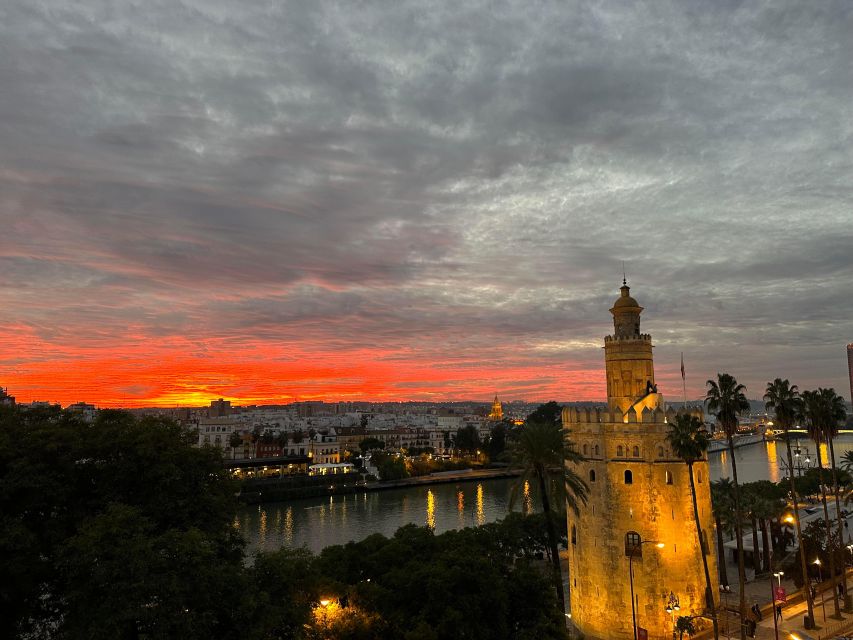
<point>419,202</point>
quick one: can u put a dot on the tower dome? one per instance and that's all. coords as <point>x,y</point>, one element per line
<point>626,314</point>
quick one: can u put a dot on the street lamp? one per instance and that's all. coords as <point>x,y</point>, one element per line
<point>725,590</point>
<point>777,575</point>
<point>672,606</point>
<point>637,547</point>
<point>820,582</point>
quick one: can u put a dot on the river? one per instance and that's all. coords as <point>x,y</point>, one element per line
<point>320,522</point>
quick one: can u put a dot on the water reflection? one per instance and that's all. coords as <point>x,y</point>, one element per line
<point>772,462</point>
<point>320,522</point>
<point>288,526</point>
<point>430,519</point>
<point>528,506</point>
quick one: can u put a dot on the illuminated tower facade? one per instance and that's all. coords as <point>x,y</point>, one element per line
<point>639,492</point>
<point>497,410</point>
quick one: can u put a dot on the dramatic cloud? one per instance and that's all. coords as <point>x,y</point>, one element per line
<point>273,200</point>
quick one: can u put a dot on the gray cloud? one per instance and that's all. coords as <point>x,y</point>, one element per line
<point>443,183</point>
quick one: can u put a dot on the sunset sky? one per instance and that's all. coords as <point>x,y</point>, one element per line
<point>427,200</point>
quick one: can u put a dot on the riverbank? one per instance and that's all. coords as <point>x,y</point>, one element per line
<point>261,490</point>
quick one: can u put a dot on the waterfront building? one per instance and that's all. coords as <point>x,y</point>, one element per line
<point>324,448</point>
<point>639,498</point>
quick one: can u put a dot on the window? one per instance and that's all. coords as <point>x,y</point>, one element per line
<point>660,452</point>
<point>632,544</point>
<point>629,477</point>
<point>636,452</point>
<point>619,451</point>
<point>592,475</point>
<point>699,477</point>
<point>584,449</point>
<point>668,475</point>
<point>596,450</point>
<point>574,535</point>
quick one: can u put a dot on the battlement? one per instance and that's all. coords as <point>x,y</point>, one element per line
<point>597,415</point>
<point>643,337</point>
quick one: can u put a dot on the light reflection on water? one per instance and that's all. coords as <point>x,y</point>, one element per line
<point>320,522</point>
<point>764,461</point>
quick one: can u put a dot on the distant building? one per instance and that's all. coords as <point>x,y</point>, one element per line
<point>5,398</point>
<point>219,408</point>
<point>88,411</point>
<point>497,410</point>
<point>849,368</point>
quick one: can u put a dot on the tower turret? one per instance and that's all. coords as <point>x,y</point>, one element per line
<point>628,357</point>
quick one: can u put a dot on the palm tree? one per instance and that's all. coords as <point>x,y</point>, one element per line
<point>847,461</point>
<point>750,502</point>
<point>834,413</point>
<point>689,440</point>
<point>541,450</point>
<point>722,503</point>
<point>783,398</point>
<point>726,400</point>
<point>235,440</point>
<point>815,416</point>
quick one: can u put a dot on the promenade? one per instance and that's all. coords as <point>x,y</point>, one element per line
<point>791,625</point>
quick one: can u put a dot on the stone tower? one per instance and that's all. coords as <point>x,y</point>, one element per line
<point>638,492</point>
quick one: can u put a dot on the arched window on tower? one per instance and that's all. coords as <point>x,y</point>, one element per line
<point>574,535</point>
<point>584,449</point>
<point>629,477</point>
<point>660,452</point>
<point>636,452</point>
<point>619,451</point>
<point>632,544</point>
<point>596,450</point>
<point>668,476</point>
<point>592,475</point>
<point>699,477</point>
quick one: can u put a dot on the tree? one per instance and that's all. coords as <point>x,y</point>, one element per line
<point>467,439</point>
<point>257,432</point>
<point>235,440</point>
<point>549,412</point>
<point>115,529</point>
<point>497,440</point>
<point>722,503</point>
<point>784,400</point>
<point>369,444</point>
<point>834,414</point>
<point>684,624</point>
<point>726,400</point>
<point>541,450</point>
<point>823,409</point>
<point>689,441</point>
